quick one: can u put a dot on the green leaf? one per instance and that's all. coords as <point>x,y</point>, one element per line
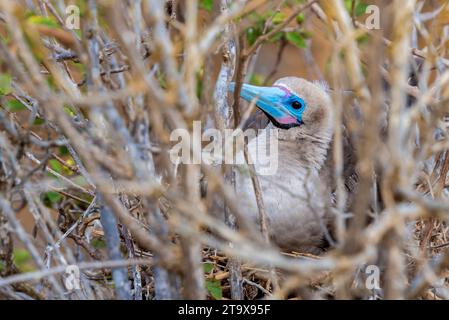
<point>38,121</point>
<point>21,256</point>
<point>300,18</point>
<point>63,150</point>
<point>295,2</point>
<point>22,259</point>
<point>28,13</point>
<point>360,9</point>
<point>348,5</point>
<point>278,18</point>
<point>162,80</point>
<point>214,288</point>
<point>55,165</point>
<point>5,84</point>
<point>79,33</point>
<point>15,105</point>
<point>277,36</point>
<point>363,39</point>
<point>69,111</point>
<point>207,5</point>
<point>98,243</point>
<point>251,35</point>
<point>256,79</point>
<point>208,267</point>
<point>45,21</point>
<point>199,85</point>
<point>52,196</point>
<point>296,39</point>
<point>305,34</point>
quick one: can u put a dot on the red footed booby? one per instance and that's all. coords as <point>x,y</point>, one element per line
<point>298,195</point>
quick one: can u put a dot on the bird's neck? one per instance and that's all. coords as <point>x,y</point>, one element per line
<point>293,154</point>
<point>309,151</point>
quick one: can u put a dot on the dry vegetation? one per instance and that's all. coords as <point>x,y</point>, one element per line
<point>85,120</point>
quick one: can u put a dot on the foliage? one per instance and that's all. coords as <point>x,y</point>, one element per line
<point>86,124</point>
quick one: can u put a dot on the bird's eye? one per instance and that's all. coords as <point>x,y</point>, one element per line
<point>296,105</point>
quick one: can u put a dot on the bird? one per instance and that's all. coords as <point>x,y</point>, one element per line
<point>298,196</point>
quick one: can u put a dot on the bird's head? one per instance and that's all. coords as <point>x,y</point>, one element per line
<point>293,103</point>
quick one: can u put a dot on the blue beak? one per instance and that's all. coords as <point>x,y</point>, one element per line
<point>271,100</point>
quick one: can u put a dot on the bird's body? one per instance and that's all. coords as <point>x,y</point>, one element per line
<point>295,198</point>
<point>297,195</point>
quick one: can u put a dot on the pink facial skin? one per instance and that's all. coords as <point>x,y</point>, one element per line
<point>286,120</point>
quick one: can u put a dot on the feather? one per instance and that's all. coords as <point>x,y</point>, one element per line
<point>323,85</point>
